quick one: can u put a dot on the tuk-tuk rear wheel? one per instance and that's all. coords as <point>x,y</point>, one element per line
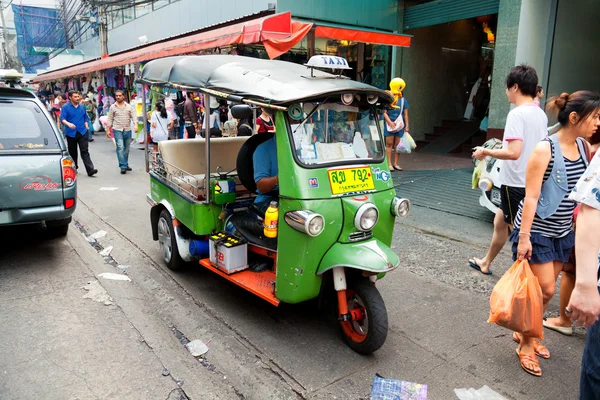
<point>368,333</point>
<point>168,242</point>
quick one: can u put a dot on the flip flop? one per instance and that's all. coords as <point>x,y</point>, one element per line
<point>391,167</point>
<point>568,331</point>
<point>530,359</point>
<point>397,168</point>
<point>474,265</point>
<point>540,349</point>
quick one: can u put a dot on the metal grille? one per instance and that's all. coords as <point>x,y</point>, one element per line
<point>359,236</point>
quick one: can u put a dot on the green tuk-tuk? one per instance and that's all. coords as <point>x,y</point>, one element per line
<point>334,194</point>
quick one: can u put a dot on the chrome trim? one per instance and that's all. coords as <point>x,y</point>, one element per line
<point>359,214</point>
<point>395,207</point>
<point>360,236</point>
<point>301,219</point>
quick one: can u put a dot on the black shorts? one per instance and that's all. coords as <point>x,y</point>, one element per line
<point>510,198</point>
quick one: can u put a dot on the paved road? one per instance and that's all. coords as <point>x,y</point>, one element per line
<point>437,309</point>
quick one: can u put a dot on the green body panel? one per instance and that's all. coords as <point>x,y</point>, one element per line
<point>371,255</point>
<point>200,218</point>
<point>385,226</point>
<point>299,254</point>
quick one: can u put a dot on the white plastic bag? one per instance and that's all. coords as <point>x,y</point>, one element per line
<point>403,145</point>
<point>411,141</point>
<point>97,125</point>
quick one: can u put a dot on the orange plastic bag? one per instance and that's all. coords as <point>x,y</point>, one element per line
<point>517,303</point>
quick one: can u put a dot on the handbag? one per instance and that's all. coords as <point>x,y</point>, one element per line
<point>399,122</point>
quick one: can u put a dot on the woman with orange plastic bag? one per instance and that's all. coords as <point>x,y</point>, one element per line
<point>543,228</point>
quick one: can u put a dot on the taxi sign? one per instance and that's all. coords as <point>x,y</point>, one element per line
<point>329,62</point>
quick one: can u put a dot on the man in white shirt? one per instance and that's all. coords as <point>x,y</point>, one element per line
<point>525,127</point>
<point>121,118</point>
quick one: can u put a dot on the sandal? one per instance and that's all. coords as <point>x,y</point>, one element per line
<point>540,349</point>
<point>529,359</point>
<point>397,168</point>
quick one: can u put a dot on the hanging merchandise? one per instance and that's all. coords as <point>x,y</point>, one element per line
<point>109,76</point>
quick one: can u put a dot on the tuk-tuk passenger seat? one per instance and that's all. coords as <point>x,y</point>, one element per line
<point>189,156</point>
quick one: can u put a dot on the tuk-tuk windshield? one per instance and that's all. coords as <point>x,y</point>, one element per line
<point>331,133</point>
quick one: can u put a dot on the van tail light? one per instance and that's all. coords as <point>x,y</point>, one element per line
<point>69,203</point>
<point>69,173</point>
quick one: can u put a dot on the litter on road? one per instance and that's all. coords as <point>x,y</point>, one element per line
<point>108,188</point>
<point>97,235</point>
<point>114,277</point>
<point>197,348</point>
<point>106,252</point>
<point>384,389</point>
<point>484,393</point>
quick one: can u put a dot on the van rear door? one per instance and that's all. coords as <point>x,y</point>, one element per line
<point>30,156</point>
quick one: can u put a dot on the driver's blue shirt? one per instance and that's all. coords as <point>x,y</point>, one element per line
<point>265,165</point>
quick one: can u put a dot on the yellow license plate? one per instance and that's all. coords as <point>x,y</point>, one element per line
<point>350,180</point>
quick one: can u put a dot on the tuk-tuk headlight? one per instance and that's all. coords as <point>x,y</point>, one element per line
<point>400,207</point>
<point>366,217</point>
<point>306,221</point>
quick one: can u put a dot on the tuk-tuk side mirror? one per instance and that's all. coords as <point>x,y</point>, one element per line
<point>241,111</point>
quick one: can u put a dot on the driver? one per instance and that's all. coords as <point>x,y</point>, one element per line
<point>266,175</point>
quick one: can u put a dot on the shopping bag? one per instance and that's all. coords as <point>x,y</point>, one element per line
<point>403,145</point>
<point>411,141</point>
<point>477,174</point>
<point>516,302</point>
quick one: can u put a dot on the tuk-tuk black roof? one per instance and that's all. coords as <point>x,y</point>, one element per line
<point>272,81</point>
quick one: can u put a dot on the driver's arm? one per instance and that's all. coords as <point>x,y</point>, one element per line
<point>264,172</point>
<point>267,184</point>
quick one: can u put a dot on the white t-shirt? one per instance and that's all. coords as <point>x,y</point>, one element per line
<point>527,123</point>
<point>161,131</point>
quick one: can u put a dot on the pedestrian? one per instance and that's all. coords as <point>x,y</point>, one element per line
<point>76,122</point>
<point>584,305</point>
<point>543,228</point>
<point>244,127</point>
<point>162,122</point>
<point>525,127</point>
<point>89,108</point>
<point>190,116</point>
<point>538,96</point>
<point>180,122</point>
<point>396,122</point>
<point>562,323</point>
<point>264,122</point>
<point>121,118</point>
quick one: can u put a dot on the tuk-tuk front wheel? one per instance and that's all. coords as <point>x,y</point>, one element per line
<point>168,242</point>
<point>367,330</point>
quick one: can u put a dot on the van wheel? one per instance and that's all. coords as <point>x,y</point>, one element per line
<point>368,331</point>
<point>168,242</point>
<point>56,231</point>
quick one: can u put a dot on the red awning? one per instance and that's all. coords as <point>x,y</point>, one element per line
<point>277,47</point>
<point>272,28</point>
<point>357,35</point>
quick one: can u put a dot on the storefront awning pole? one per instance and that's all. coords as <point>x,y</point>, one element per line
<point>207,147</point>
<point>145,127</point>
